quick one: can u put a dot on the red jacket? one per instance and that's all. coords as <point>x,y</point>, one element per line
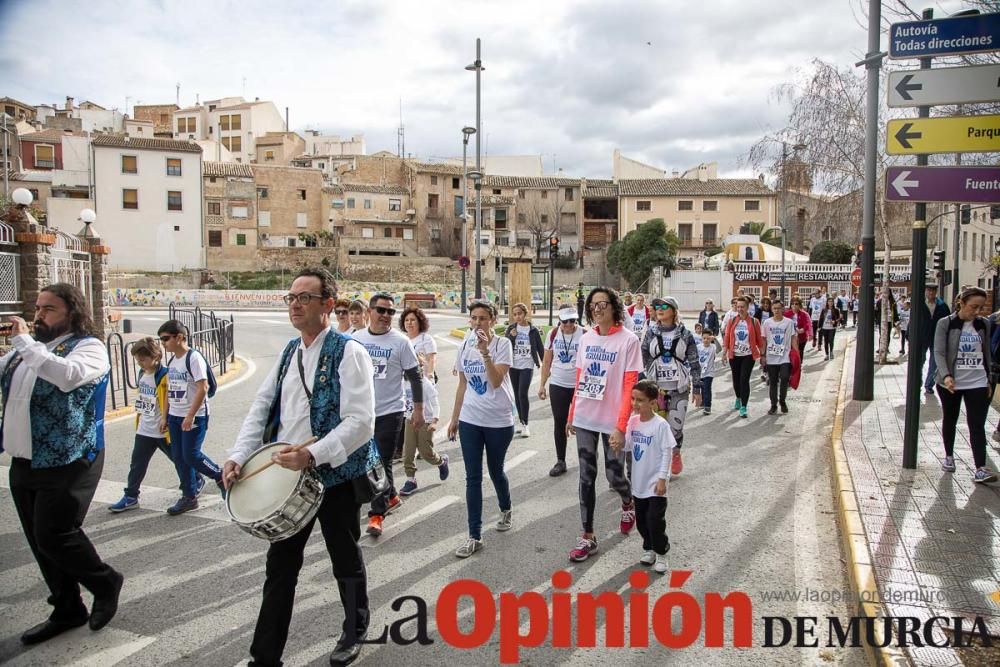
<point>649,313</point>
<point>803,322</point>
<point>756,339</point>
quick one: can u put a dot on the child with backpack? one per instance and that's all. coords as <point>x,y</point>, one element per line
<point>150,420</point>
<point>190,383</point>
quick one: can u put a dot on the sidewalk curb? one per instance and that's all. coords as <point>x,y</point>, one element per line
<point>458,333</point>
<point>857,550</point>
<point>235,371</point>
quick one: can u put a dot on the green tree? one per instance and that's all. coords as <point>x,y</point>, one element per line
<point>832,252</point>
<point>643,249</point>
<point>770,236</point>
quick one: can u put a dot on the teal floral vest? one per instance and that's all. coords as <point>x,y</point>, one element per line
<point>65,426</point>
<point>324,408</point>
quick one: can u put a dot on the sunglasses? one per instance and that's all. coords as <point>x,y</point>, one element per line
<point>661,306</point>
<point>340,312</point>
<point>382,310</point>
<point>164,339</point>
<point>569,321</point>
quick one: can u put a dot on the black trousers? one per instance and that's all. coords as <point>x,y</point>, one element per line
<point>651,519</point>
<point>560,398</point>
<point>777,375</point>
<point>338,518</point>
<point>742,369</point>
<point>977,406</point>
<point>388,435</point>
<point>520,378</point>
<point>51,504</point>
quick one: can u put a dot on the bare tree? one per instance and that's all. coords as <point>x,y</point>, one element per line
<point>542,217</point>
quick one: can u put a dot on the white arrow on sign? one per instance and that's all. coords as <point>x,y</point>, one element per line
<point>945,85</point>
<point>900,183</point>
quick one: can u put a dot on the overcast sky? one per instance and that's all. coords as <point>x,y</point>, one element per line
<point>669,82</point>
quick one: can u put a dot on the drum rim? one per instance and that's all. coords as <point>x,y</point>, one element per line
<point>259,450</point>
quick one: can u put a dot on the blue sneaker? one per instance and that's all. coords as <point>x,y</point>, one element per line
<point>737,404</point>
<point>743,412</point>
<point>984,476</point>
<point>126,503</point>
<point>199,486</point>
<point>184,504</point>
<point>409,488</point>
<point>443,467</point>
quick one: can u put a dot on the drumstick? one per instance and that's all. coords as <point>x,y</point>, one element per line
<point>271,463</point>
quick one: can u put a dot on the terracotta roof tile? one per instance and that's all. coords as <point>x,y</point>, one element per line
<point>50,135</point>
<point>145,143</point>
<point>528,182</point>
<point>438,167</point>
<point>671,187</point>
<point>375,189</point>
<point>234,169</point>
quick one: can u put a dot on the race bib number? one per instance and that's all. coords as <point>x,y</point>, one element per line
<point>145,405</point>
<point>970,355</point>
<point>380,368</point>
<point>775,349</point>
<point>666,373</point>
<point>521,348</point>
<point>592,386</point>
<point>177,389</point>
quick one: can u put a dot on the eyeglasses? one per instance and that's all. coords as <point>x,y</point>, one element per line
<point>340,312</point>
<point>569,321</point>
<point>382,310</point>
<point>164,339</point>
<point>600,305</point>
<point>304,298</point>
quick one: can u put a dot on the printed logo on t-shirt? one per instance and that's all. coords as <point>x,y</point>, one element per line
<point>474,370</point>
<point>776,347</point>
<point>969,353</point>
<point>742,346</point>
<point>380,359</point>
<point>145,401</point>
<point>593,381</point>
<point>703,355</point>
<point>177,384</point>
<point>639,444</point>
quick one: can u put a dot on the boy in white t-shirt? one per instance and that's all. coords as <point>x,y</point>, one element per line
<point>707,355</point>
<point>651,441</point>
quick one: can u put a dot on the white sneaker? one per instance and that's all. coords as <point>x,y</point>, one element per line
<point>518,427</point>
<point>506,521</point>
<point>648,558</point>
<point>525,431</point>
<point>470,547</point>
<point>660,566</point>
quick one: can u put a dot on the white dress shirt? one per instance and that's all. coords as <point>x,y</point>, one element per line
<point>357,406</point>
<point>87,362</point>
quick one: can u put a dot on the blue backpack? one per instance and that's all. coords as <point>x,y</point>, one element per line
<point>213,386</point>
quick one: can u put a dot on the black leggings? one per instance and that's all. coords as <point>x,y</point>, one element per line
<point>742,368</point>
<point>521,379</point>
<point>560,398</point>
<point>977,405</point>
<point>827,336</point>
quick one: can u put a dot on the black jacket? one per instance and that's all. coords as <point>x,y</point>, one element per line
<point>709,321</point>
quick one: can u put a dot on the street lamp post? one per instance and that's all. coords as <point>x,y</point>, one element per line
<point>466,133</point>
<point>478,68</point>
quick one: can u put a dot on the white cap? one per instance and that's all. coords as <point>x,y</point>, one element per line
<point>568,314</point>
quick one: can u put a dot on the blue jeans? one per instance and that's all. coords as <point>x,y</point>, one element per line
<point>142,452</point>
<point>706,392</point>
<point>931,369</point>
<point>188,458</point>
<point>495,441</point>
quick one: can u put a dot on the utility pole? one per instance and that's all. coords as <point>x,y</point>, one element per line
<point>918,280</point>
<point>477,67</point>
<point>864,363</point>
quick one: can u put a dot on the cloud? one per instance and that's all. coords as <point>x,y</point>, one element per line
<point>673,84</point>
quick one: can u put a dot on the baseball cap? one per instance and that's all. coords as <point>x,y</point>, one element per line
<point>667,300</point>
<point>566,314</point>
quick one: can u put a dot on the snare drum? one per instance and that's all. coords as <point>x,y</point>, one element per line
<point>278,502</point>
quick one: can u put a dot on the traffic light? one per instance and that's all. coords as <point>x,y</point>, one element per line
<point>857,256</point>
<point>966,214</point>
<point>939,260</point>
<point>554,247</point>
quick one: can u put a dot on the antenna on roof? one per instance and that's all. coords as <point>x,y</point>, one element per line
<point>178,93</point>
<point>400,133</point>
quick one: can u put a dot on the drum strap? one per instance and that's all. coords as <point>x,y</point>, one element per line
<point>302,374</point>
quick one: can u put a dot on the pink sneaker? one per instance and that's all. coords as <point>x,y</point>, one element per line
<point>628,517</point>
<point>583,549</point>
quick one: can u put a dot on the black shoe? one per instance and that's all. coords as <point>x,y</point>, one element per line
<point>345,653</point>
<point>49,629</point>
<point>558,469</point>
<point>397,456</point>
<point>106,606</point>
<point>773,410</point>
<point>784,408</point>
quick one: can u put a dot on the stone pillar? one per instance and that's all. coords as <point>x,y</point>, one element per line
<point>34,243</point>
<point>98,282</point>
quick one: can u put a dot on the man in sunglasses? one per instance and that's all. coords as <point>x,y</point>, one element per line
<point>321,386</point>
<point>393,359</point>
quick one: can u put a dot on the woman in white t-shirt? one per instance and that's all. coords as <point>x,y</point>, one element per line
<point>357,315</point>
<point>414,324</point>
<point>559,370</point>
<point>964,363</point>
<point>483,419</point>
<point>780,338</point>
<point>187,414</point>
<point>526,340</point>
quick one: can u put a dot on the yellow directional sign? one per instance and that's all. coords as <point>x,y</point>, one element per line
<point>952,134</point>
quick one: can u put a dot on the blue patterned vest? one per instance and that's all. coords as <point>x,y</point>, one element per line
<point>65,426</point>
<point>324,408</point>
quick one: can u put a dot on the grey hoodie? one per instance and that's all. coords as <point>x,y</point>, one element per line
<point>946,337</point>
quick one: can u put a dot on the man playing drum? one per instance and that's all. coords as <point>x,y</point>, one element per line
<point>321,387</point>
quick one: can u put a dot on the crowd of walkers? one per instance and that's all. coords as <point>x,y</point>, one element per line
<point>621,378</point>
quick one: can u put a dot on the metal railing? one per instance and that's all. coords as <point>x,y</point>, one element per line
<point>211,335</point>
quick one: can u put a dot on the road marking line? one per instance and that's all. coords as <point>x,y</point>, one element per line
<point>510,464</point>
<point>72,649</point>
<point>448,339</point>
<point>396,527</point>
<point>284,322</point>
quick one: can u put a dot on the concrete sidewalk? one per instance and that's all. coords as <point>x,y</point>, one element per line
<point>920,543</point>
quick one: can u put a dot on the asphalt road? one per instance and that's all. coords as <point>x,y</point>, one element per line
<point>752,512</point>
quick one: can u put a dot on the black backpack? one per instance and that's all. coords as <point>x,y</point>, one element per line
<point>213,386</point>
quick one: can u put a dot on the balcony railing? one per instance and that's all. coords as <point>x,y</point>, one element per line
<point>699,241</point>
